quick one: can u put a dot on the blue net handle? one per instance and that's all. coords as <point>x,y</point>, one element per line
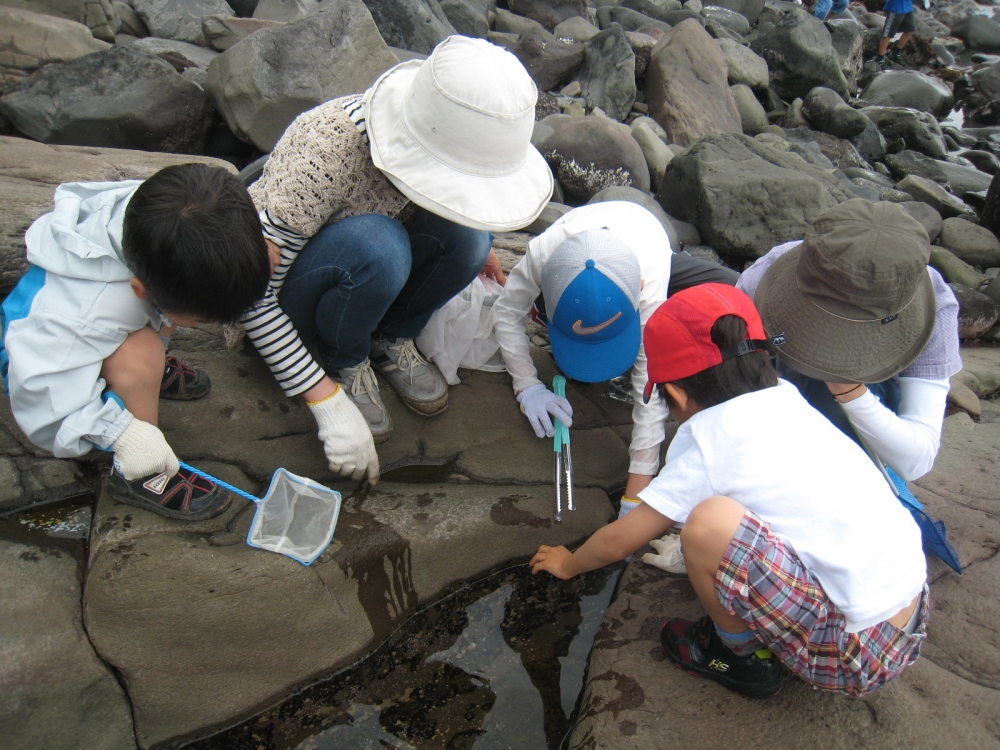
<point>224,485</point>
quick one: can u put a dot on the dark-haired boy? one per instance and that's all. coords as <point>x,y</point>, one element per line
<point>784,518</point>
<point>114,268</point>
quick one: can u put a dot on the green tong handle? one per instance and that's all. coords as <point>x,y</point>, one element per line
<point>562,431</point>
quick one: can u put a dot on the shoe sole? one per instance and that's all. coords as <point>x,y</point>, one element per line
<point>763,691</point>
<point>423,408</point>
<point>138,502</point>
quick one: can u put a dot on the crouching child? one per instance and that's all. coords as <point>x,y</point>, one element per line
<point>114,268</point>
<point>794,543</point>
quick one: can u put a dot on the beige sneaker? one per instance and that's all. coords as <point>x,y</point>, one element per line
<point>419,382</point>
<point>361,387</point>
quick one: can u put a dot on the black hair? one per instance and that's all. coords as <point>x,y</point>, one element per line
<point>731,377</point>
<point>193,238</point>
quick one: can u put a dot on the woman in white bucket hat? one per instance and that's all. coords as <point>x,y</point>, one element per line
<point>378,209</point>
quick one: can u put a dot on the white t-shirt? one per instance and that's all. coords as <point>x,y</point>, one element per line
<point>816,489</point>
<point>643,234</point>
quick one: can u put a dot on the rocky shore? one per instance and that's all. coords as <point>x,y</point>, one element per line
<point>736,121</point>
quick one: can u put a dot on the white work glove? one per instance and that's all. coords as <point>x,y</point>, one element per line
<point>141,450</point>
<point>538,402</point>
<point>347,440</point>
<point>669,556</point>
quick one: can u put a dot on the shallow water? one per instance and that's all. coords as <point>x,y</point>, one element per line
<point>498,664</point>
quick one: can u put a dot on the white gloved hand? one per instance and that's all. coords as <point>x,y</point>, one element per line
<point>347,440</point>
<point>538,402</point>
<point>669,556</point>
<point>141,450</point>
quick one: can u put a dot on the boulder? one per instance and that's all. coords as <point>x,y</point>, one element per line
<point>744,196</point>
<point>121,98</point>
<point>261,84</point>
<point>658,9</point>
<point>979,33</point>
<point>550,62</point>
<point>286,10</point>
<point>749,9</point>
<point>848,43</point>
<point>927,216</point>
<point>974,244</point>
<point>670,224</point>
<point>977,313</point>
<point>549,13</point>
<point>981,104</point>
<point>131,22</point>
<point>222,32</point>
<point>908,88</point>
<point>576,28</point>
<point>919,130</point>
<point>181,55</point>
<point>628,19</point>
<point>743,65</point>
<point>840,153</point>
<point>931,193</point>
<point>990,215</point>
<point>469,17</point>
<point>800,55</point>
<point>608,73</point>
<point>827,112</point>
<point>642,47</point>
<point>414,25</point>
<point>97,15</point>
<point>646,132</point>
<point>984,161</point>
<point>509,23</point>
<point>870,143</point>
<point>753,118</point>
<point>31,171</point>
<point>56,692</point>
<point>686,86</point>
<point>588,154</point>
<point>730,19</point>
<point>178,19</point>
<point>954,269</point>
<point>30,40</point>
<point>550,215</point>
<point>957,178</point>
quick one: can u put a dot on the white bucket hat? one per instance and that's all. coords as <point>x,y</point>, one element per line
<point>453,134</point>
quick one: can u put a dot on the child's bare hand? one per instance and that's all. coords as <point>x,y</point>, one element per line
<point>552,559</point>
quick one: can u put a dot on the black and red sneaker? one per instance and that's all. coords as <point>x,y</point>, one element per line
<point>695,647</point>
<point>182,382</point>
<point>185,496</point>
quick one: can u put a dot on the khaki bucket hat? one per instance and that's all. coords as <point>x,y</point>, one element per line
<point>453,134</point>
<point>854,302</point>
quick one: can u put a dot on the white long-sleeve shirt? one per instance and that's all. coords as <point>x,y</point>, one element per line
<point>907,441</point>
<point>643,234</point>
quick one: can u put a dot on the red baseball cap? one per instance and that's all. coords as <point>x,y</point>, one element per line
<point>678,336</point>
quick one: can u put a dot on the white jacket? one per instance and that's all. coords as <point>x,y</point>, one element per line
<point>70,312</point>
<point>642,232</point>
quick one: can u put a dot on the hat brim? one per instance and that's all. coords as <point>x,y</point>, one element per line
<point>594,362</point>
<point>823,346</point>
<point>495,204</point>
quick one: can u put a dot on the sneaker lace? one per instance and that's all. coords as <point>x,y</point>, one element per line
<point>407,357</point>
<point>364,381</point>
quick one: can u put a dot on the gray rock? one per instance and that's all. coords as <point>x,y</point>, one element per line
<point>121,97</point>
<point>828,112</point>
<point>730,19</point>
<point>415,25</point>
<point>870,175</point>
<point>931,193</point>
<point>749,9</point>
<point>509,23</point>
<point>743,65</point>
<point>919,130</point>
<point>954,269</point>
<point>261,85</point>
<point>881,192</point>
<point>642,47</point>
<point>97,15</point>
<point>576,28</point>
<point>686,86</point>
<point>990,215</point>
<point>550,62</point>
<point>908,88</point>
<point>29,40</point>
<point>839,152</point>
<point>800,55</point>
<point>957,178</point>
<point>130,21</point>
<point>628,19</point>
<point>745,197</point>
<point>608,73</point>
<point>469,17</point>
<point>643,199</point>
<point>589,154</point>
<point>178,19</point>
<point>222,32</point>
<point>848,43</point>
<point>753,118</point>
<point>926,215</point>
<point>976,312</point>
<point>974,244</point>
<point>984,161</point>
<point>992,290</point>
<point>646,132</point>
<point>717,31</point>
<point>179,54</point>
<point>57,692</point>
<point>705,253</point>
<point>982,98</point>
<point>978,32</point>
<point>549,13</point>
<point>285,11</point>
<point>659,9</point>
<point>550,215</point>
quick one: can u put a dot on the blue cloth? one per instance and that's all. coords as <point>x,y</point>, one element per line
<point>370,274</point>
<point>824,7</point>
<point>898,6</point>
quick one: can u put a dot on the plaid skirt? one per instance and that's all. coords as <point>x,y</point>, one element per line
<point>765,584</point>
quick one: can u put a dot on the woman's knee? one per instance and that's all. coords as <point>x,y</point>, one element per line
<point>138,362</point>
<point>371,249</point>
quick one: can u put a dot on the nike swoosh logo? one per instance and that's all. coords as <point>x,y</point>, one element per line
<point>582,330</point>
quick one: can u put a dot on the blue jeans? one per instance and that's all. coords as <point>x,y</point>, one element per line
<point>823,7</point>
<point>370,274</point>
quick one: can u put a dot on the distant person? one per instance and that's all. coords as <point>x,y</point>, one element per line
<point>825,9</point>
<point>898,17</point>
<point>600,271</point>
<point>785,518</point>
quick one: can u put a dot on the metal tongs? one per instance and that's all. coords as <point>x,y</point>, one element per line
<point>564,456</point>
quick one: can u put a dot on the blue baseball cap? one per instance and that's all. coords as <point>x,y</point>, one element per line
<point>591,286</point>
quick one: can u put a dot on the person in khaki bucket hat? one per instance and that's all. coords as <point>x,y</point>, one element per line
<point>864,328</point>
